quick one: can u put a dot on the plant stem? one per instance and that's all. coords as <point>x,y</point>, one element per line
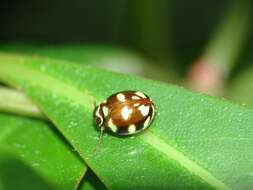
<point>14,101</point>
<point>208,73</point>
<point>230,36</point>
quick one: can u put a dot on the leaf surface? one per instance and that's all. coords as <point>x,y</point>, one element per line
<point>35,156</point>
<point>195,141</point>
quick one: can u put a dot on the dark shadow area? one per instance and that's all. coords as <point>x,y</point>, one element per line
<point>56,21</point>
<point>91,181</point>
<point>15,175</point>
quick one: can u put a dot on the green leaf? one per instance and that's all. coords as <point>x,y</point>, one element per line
<point>96,54</point>
<point>113,58</point>
<point>16,102</point>
<point>13,101</point>
<point>195,141</point>
<point>34,156</point>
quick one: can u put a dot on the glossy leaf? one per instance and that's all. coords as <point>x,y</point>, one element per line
<point>15,102</point>
<point>34,156</point>
<point>195,141</point>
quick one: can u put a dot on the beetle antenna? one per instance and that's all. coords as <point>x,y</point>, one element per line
<point>99,140</point>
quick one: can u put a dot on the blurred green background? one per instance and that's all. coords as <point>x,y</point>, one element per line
<point>154,28</point>
<point>165,38</point>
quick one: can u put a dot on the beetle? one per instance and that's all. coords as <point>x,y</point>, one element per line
<point>125,113</point>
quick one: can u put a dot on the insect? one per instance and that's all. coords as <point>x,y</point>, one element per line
<point>125,113</point>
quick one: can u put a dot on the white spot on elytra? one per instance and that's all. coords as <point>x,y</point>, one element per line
<point>144,110</point>
<point>112,126</point>
<point>131,129</point>
<point>136,97</point>
<point>105,111</point>
<point>147,121</point>
<point>121,97</point>
<point>125,112</point>
<point>140,94</point>
<point>136,105</point>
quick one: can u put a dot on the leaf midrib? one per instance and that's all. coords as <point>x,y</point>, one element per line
<point>15,69</point>
<point>171,153</point>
